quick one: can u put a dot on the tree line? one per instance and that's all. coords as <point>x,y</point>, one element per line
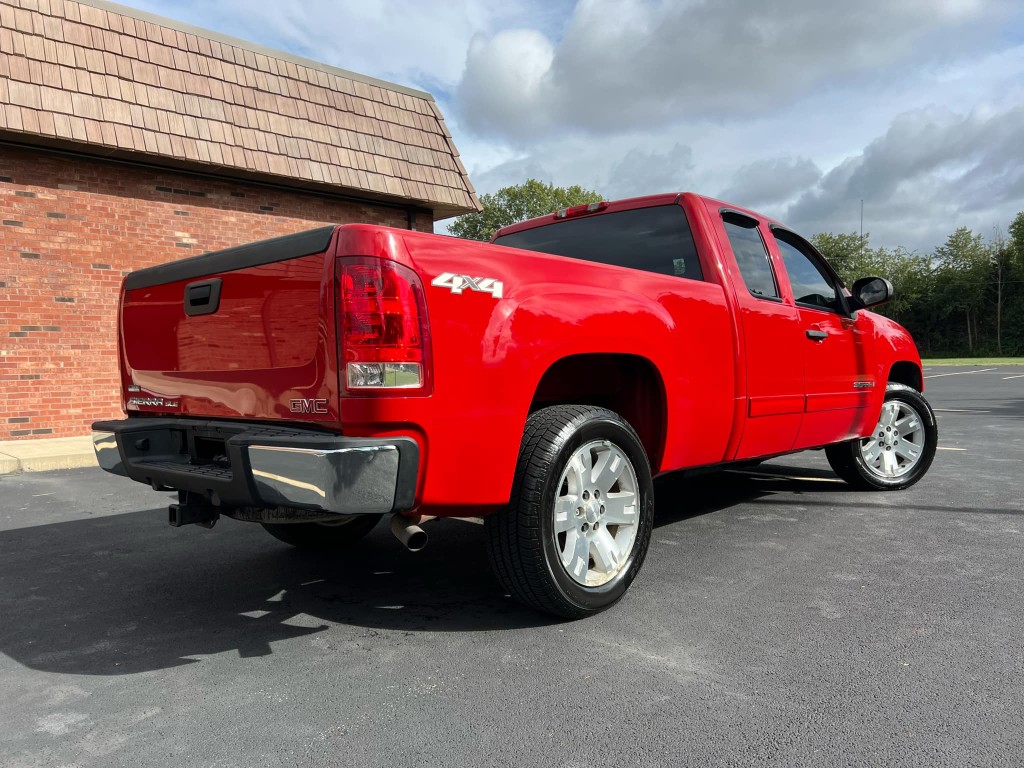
<point>964,298</point>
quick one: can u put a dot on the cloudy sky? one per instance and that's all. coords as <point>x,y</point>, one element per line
<point>797,108</point>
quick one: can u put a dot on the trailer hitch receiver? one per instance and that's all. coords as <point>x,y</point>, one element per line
<point>192,509</point>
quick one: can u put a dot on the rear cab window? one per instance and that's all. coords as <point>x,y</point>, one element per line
<point>751,255</point>
<point>656,239</point>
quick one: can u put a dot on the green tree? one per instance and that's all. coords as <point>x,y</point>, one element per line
<point>1017,238</point>
<point>962,275</point>
<point>517,203</point>
<point>967,296</point>
<point>844,251</point>
<point>1001,257</point>
<point>911,278</point>
<point>1012,336</point>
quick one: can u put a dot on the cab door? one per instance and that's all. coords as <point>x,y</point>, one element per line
<point>772,341</point>
<point>837,383</point>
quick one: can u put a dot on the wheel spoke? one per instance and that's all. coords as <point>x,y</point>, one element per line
<point>907,451</point>
<point>619,508</point>
<point>872,453</point>
<point>608,468</point>
<point>908,424</point>
<point>565,513</point>
<point>576,554</point>
<point>585,468</point>
<point>912,436</point>
<point>570,546</point>
<point>606,552</point>
<point>888,417</point>
<point>889,464</point>
<point>916,439</point>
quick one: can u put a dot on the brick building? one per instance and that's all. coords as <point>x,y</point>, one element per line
<point>128,140</point>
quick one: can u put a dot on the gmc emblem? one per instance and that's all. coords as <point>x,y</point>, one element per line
<point>309,406</point>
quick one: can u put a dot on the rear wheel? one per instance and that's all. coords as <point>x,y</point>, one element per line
<point>899,450</point>
<point>329,536</point>
<point>577,528</point>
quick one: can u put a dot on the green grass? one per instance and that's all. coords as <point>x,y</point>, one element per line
<point>975,361</point>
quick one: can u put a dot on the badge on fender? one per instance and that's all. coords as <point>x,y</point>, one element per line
<point>459,283</point>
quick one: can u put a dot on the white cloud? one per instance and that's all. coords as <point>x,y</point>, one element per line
<point>624,64</point>
<point>799,108</point>
<point>506,71</point>
<point>643,172</point>
<point>932,165</point>
<point>771,182</point>
<point>413,43</point>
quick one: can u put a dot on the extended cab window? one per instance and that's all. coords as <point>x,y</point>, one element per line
<point>811,283</point>
<point>751,255</point>
<point>652,239</point>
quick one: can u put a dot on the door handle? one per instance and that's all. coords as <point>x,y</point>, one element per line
<point>817,335</point>
<point>202,297</point>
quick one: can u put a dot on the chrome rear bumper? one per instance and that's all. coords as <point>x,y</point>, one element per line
<point>107,453</point>
<point>238,464</point>
<point>344,480</point>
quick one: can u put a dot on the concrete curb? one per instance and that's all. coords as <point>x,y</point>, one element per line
<point>46,455</point>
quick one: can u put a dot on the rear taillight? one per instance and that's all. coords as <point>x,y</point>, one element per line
<point>383,335</point>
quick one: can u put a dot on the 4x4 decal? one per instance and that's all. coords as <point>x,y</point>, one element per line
<point>459,283</point>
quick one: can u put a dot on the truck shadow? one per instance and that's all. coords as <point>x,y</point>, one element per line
<point>679,496</point>
<point>125,594</point>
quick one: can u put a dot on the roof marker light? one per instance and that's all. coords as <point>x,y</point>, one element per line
<point>580,210</point>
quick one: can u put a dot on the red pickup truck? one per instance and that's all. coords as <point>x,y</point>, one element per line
<point>315,382</point>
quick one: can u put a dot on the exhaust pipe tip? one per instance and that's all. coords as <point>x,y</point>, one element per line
<point>417,539</point>
<point>408,532</point>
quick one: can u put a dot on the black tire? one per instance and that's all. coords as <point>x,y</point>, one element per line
<point>521,537</point>
<point>848,462</point>
<point>323,537</point>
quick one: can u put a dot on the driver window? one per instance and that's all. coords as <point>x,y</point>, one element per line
<point>812,286</point>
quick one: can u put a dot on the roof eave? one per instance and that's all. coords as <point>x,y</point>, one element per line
<point>439,209</point>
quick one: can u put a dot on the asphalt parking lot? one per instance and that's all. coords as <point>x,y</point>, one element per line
<point>780,618</point>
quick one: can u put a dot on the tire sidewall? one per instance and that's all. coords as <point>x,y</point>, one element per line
<point>599,428</point>
<point>917,401</point>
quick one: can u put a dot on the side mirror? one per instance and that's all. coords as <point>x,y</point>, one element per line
<point>872,291</point>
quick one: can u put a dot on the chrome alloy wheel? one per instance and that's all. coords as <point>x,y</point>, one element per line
<point>897,444</point>
<point>596,513</point>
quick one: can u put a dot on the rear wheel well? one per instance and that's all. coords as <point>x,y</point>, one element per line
<point>627,384</point>
<point>905,372</point>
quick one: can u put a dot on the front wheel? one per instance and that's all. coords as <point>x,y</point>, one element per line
<point>577,527</point>
<point>899,450</point>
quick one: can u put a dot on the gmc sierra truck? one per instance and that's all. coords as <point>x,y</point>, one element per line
<point>315,382</point>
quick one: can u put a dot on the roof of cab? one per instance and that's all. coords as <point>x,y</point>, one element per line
<point>647,201</point>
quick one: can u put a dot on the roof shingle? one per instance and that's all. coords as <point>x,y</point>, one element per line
<point>121,80</point>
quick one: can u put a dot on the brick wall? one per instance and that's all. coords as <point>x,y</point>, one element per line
<point>71,228</point>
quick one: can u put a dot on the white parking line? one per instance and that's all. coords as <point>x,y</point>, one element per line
<point>959,410</point>
<point>958,373</point>
<point>770,476</point>
<point>1018,376</point>
<point>947,448</point>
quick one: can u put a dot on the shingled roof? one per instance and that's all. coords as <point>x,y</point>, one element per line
<point>100,77</point>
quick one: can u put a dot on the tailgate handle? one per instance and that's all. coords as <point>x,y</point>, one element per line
<point>202,297</point>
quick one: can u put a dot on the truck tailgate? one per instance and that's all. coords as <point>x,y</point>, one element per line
<point>244,332</point>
